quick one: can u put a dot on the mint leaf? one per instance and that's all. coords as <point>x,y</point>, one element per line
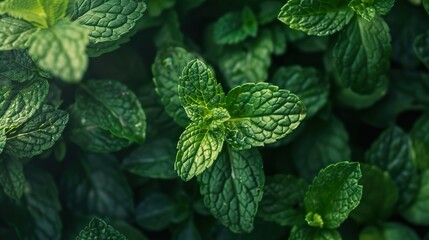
<point>167,68</point>
<point>155,212</point>
<point>17,66</point>
<point>334,193</point>
<point>322,142</point>
<point>155,159</point>
<point>14,33</point>
<point>316,17</point>
<point>198,147</point>
<point>379,197</point>
<point>421,48</point>
<point>306,83</point>
<point>362,54</point>
<point>19,102</point>
<point>235,27</point>
<point>99,230</point>
<point>283,200</point>
<point>2,139</point>
<point>107,20</point>
<point>388,231</point>
<point>156,7</point>
<point>420,140</point>
<point>198,86</point>
<point>418,212</point>
<point>369,9</point>
<point>307,233</point>
<point>426,5</point>
<point>60,50</point>
<point>12,177</point>
<point>261,113</point>
<point>101,177</point>
<point>112,107</point>
<point>392,152</point>
<point>233,187</point>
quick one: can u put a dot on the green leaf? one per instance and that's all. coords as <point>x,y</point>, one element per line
<point>198,147</point>
<point>362,54</point>
<point>198,86</point>
<point>2,139</point>
<point>155,159</point>
<point>112,106</point>
<point>418,212</point>
<point>233,187</point>
<point>322,142</point>
<point>334,193</point>
<point>316,17</point>
<point>156,7</point>
<point>307,233</point>
<point>12,177</point>
<point>107,20</point>
<point>155,212</point>
<point>388,231</point>
<point>306,83</point>
<point>268,11</point>
<point>39,133</point>
<point>95,184</point>
<point>369,9</point>
<point>426,5</point>
<point>60,50</point>
<point>261,113</point>
<point>420,140</point>
<point>170,33</point>
<point>99,230</point>
<point>235,27</point>
<point>17,66</point>
<point>188,231</point>
<point>379,197</point>
<point>421,48</point>
<point>392,152</point>
<point>283,200</point>
<point>20,102</point>
<point>168,66</point>
<point>14,33</point>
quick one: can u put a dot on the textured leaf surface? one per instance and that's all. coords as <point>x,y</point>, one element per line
<point>334,193</point>
<point>17,66</point>
<point>198,147</point>
<point>322,142</point>
<point>316,17</point>
<point>234,27</point>
<point>94,184</point>
<point>233,187</point>
<point>167,68</point>
<point>2,139</point>
<point>306,83</point>
<point>14,33</point>
<point>155,212</point>
<point>113,107</point>
<point>198,86</point>
<point>60,50</point>
<point>99,230</point>
<point>418,212</point>
<point>392,152</point>
<point>283,200</point>
<point>369,9</point>
<point>12,177</point>
<point>261,113</point>
<point>362,54</point>
<point>420,140</point>
<point>308,233</point>
<point>39,133</point>
<point>421,48</point>
<point>107,20</point>
<point>19,102</point>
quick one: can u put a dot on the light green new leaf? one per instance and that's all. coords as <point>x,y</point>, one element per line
<point>334,193</point>
<point>12,177</point>
<point>14,33</point>
<point>388,231</point>
<point>37,134</point>
<point>261,113</point>
<point>19,102</point>
<point>392,152</point>
<point>112,107</point>
<point>369,9</point>
<point>107,20</point>
<point>362,54</point>
<point>235,27</point>
<point>198,147</point>
<point>99,230</point>
<point>233,187</point>
<point>316,17</point>
<point>418,212</point>
<point>306,83</point>
<point>167,68</point>
<point>198,86</point>
<point>309,233</point>
<point>283,200</point>
<point>421,48</point>
<point>420,140</point>
<point>17,66</point>
<point>60,50</point>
